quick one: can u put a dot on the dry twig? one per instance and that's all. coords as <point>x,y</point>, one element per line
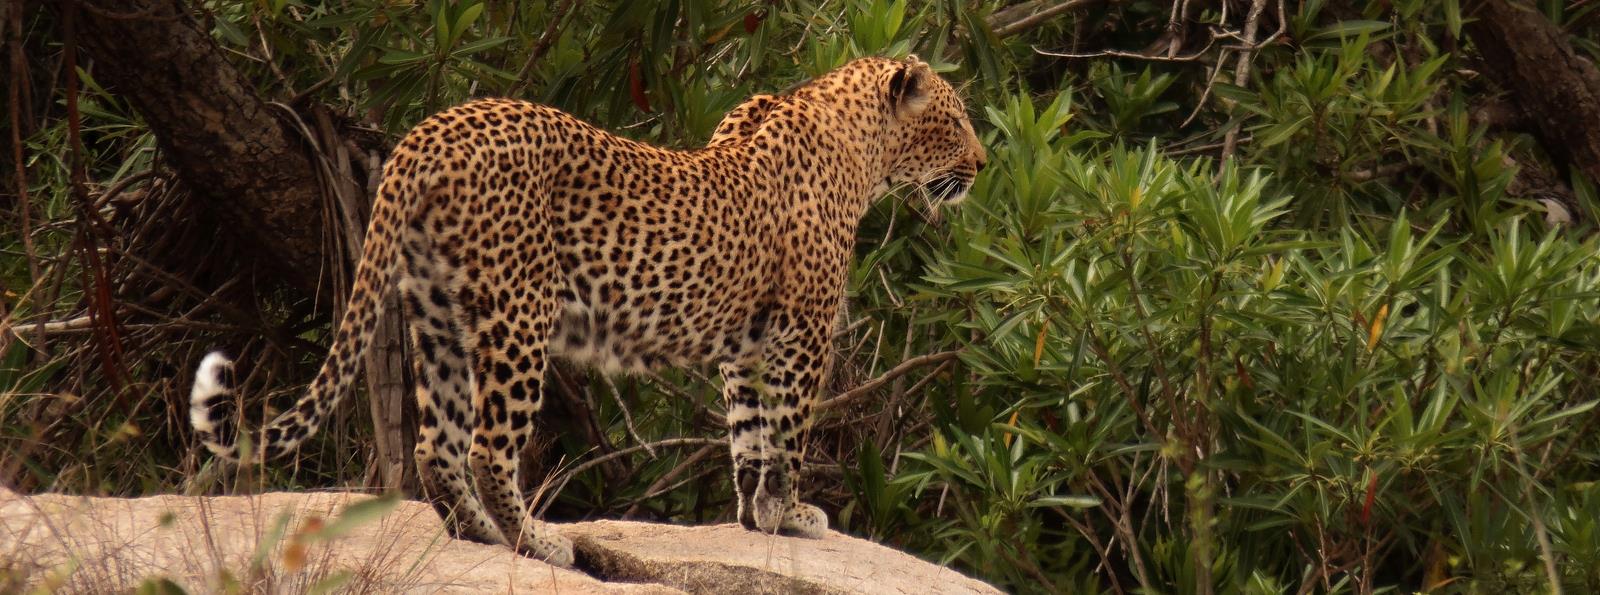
<point>560,482</point>
<point>867,387</point>
<point>546,39</point>
<point>1121,54</point>
<point>1241,74</point>
<point>13,25</point>
<point>627,418</point>
<point>661,484</point>
<point>1022,17</point>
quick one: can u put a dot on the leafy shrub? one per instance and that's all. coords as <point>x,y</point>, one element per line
<point>1349,357</point>
<point>1163,367</point>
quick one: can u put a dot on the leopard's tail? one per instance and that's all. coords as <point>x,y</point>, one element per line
<point>213,403</point>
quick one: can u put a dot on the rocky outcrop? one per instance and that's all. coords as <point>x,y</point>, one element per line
<point>282,542</point>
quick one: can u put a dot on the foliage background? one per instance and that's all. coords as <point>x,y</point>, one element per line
<point>1320,319</point>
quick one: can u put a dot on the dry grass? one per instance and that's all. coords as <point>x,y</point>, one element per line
<point>243,545</point>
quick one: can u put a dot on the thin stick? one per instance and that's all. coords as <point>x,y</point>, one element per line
<point>1004,30</point>
<point>898,391</point>
<point>850,328</point>
<point>1540,533</point>
<point>660,484</point>
<point>1121,54</point>
<point>85,324</point>
<point>627,418</point>
<point>540,47</point>
<point>1211,81</point>
<point>1202,148</point>
<point>96,281</point>
<point>867,387</point>
<point>14,38</point>
<point>112,192</point>
<point>561,483</point>
<point>1241,74</point>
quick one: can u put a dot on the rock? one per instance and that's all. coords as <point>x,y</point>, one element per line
<point>118,543</point>
<point>79,544</point>
<point>709,559</point>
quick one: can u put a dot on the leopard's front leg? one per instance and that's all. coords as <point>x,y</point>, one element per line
<point>770,400</point>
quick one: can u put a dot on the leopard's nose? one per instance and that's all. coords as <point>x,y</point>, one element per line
<point>983,161</point>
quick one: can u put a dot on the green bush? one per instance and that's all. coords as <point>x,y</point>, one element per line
<point>1349,356</point>
<point>1163,367</point>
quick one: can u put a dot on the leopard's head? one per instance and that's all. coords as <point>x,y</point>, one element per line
<point>913,120</point>
<point>931,143</point>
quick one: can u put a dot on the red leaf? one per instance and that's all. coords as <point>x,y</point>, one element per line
<point>753,20</point>
<point>1243,373</point>
<point>636,87</point>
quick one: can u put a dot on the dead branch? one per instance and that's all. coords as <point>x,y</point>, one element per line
<point>627,418</point>
<point>867,387</point>
<point>111,193</point>
<point>1135,55</point>
<point>85,324</point>
<point>560,482</point>
<point>1019,18</point>
<point>1382,171</point>
<point>13,26</point>
<point>1203,148</point>
<point>546,39</point>
<point>1241,73</point>
<point>660,485</point>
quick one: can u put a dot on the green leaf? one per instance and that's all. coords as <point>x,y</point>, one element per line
<point>1452,17</point>
<point>159,586</point>
<point>480,45</point>
<point>360,513</point>
<point>332,583</point>
<point>268,543</point>
<point>464,22</point>
<point>1352,28</point>
<point>1279,133</point>
<point>1067,501</point>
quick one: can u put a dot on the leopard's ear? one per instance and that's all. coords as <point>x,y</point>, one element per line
<point>907,90</point>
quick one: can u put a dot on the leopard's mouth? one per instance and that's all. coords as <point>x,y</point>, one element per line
<point>949,188</point>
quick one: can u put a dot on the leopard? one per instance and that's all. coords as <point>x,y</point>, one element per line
<point>517,235</point>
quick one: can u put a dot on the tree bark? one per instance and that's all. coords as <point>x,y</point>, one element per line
<point>393,411</point>
<point>261,173</point>
<point>1559,91</point>
<point>247,168</point>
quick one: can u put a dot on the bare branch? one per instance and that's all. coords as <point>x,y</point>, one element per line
<point>627,417</point>
<point>1022,17</point>
<point>660,485</point>
<point>13,27</point>
<point>1135,55</point>
<point>905,367</point>
<point>1241,74</point>
<point>561,483</point>
<point>1382,171</point>
<point>557,15</point>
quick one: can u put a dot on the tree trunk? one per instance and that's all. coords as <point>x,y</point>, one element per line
<point>393,411</point>
<point>233,152</point>
<point>1559,91</point>
<point>272,183</point>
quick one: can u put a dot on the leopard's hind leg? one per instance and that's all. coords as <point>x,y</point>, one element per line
<point>516,309</point>
<point>443,387</point>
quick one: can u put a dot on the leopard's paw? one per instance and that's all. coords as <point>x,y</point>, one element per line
<point>769,514</point>
<point>548,546</point>
<point>805,520</point>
